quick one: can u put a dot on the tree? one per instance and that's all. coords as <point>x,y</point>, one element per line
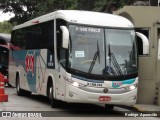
<point>27,9</point>
<point>23,9</point>
<point>86,4</point>
<point>125,2</point>
<point>5,27</point>
<point>44,7</point>
<point>102,5</point>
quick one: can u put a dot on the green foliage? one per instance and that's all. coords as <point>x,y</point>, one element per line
<point>25,10</point>
<point>44,7</point>
<point>100,4</point>
<point>125,2</point>
<point>5,27</point>
<point>86,4</point>
<point>18,8</point>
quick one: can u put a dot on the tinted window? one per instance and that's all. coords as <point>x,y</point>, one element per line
<point>35,37</point>
<point>2,41</point>
<point>61,52</point>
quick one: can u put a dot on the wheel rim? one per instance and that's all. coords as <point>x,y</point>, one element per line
<point>50,93</point>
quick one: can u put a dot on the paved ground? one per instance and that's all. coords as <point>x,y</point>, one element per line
<point>40,104</point>
<point>147,107</point>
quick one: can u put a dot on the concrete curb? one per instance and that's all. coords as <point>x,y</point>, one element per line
<point>133,108</point>
<point>139,108</point>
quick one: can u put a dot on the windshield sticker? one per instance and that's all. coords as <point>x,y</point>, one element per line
<point>79,54</point>
<point>88,29</point>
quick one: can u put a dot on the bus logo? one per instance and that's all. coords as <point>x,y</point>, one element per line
<point>29,63</point>
<point>117,84</point>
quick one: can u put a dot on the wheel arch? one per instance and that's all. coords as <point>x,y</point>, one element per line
<point>50,80</point>
<point>17,74</point>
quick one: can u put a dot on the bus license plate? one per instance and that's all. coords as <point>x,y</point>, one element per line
<point>104,98</point>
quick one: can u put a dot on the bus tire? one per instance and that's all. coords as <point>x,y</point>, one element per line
<point>50,90</point>
<point>109,107</point>
<point>18,89</point>
<point>26,93</point>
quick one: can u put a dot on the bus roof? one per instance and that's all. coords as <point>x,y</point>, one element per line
<point>82,17</point>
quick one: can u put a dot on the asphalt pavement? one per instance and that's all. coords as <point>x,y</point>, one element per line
<point>22,107</point>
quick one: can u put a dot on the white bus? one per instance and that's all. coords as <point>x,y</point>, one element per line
<point>76,56</point>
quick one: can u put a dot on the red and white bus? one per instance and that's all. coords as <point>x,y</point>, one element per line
<point>4,54</point>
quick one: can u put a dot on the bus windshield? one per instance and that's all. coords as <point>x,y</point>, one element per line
<point>102,51</point>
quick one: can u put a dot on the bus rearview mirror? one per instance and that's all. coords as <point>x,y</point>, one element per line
<point>145,42</point>
<point>65,37</point>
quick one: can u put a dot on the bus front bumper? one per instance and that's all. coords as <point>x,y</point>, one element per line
<point>76,95</point>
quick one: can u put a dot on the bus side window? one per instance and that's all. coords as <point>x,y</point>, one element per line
<point>61,52</point>
<point>48,35</point>
<point>41,37</point>
<point>18,39</point>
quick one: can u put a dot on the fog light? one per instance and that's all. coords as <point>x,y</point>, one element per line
<point>135,97</point>
<point>70,94</point>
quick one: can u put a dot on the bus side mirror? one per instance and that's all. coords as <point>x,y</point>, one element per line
<point>145,42</point>
<point>65,37</point>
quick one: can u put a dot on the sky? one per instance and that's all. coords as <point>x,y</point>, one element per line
<point>5,16</point>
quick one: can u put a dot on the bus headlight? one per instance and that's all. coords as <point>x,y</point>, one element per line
<point>131,87</point>
<point>75,84</point>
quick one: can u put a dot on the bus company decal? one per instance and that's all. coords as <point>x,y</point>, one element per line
<point>116,84</point>
<point>29,61</point>
<point>30,65</point>
<point>50,60</point>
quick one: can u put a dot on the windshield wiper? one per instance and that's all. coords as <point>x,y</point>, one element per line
<point>97,54</point>
<point>113,59</point>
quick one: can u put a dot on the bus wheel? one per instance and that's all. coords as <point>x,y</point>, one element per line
<point>109,107</point>
<point>54,102</point>
<point>18,89</point>
<point>26,93</point>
